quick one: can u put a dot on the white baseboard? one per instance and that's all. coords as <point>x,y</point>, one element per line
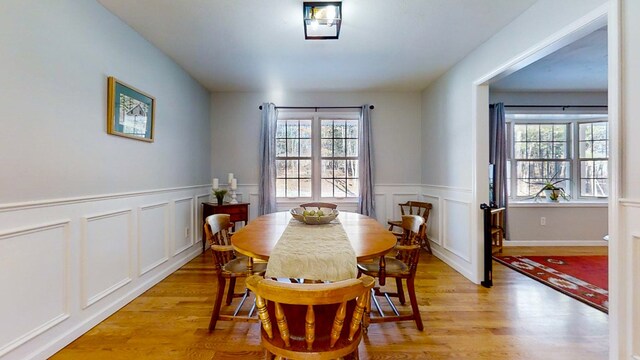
<point>510,243</point>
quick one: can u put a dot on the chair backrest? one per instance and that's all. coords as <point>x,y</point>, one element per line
<point>318,205</point>
<point>497,218</point>
<point>216,229</point>
<point>310,318</point>
<point>418,208</point>
<point>409,244</point>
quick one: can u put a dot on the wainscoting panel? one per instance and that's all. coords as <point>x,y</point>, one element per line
<point>629,245</point>
<point>59,278</point>
<point>24,254</point>
<point>457,236</point>
<point>253,203</point>
<point>433,223</point>
<point>182,224</point>
<point>382,213</point>
<point>106,255</point>
<point>153,236</point>
<point>451,232</point>
<point>199,220</point>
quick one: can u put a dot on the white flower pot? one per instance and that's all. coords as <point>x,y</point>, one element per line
<point>552,195</point>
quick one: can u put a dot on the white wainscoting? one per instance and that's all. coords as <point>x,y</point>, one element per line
<point>105,255</point>
<point>67,264</point>
<point>153,224</point>
<point>449,227</point>
<point>629,266</point>
<point>33,264</point>
<point>183,220</point>
<point>200,198</point>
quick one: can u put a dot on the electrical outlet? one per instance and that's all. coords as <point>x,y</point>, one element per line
<point>543,221</point>
<point>186,232</point>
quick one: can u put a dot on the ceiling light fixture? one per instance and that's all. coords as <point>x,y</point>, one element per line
<point>322,20</point>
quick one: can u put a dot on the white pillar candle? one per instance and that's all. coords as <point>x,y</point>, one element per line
<point>234,184</point>
<point>230,178</point>
<point>215,183</point>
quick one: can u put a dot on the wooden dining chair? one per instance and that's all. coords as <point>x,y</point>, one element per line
<point>497,229</point>
<point>318,205</point>
<point>227,265</point>
<point>403,266</point>
<point>311,321</point>
<point>414,208</point>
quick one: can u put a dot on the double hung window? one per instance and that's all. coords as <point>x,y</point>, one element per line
<point>571,150</point>
<point>317,155</point>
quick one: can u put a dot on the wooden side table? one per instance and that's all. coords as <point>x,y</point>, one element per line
<point>238,212</point>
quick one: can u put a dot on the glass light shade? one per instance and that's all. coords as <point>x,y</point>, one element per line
<point>322,20</point>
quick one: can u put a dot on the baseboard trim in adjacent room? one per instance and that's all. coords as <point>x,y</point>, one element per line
<point>555,243</point>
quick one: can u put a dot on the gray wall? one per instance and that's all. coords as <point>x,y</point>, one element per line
<point>55,60</point>
<point>396,125</point>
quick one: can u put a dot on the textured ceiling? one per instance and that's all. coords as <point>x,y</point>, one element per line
<point>258,45</point>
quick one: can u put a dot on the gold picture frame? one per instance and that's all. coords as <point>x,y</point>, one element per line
<point>130,112</point>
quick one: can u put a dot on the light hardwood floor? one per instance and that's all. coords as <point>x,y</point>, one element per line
<point>518,318</point>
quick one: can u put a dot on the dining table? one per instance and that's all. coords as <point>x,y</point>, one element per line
<point>368,238</point>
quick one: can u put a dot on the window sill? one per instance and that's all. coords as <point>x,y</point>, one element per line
<point>564,204</point>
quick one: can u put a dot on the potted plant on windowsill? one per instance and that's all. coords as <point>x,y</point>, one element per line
<point>551,191</point>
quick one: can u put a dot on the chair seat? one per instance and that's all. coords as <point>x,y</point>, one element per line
<point>239,266</point>
<point>392,267</point>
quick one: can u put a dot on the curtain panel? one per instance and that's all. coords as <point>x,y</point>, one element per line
<point>366,203</point>
<point>267,158</point>
<point>498,157</point>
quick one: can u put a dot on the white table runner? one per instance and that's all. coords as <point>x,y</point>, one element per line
<point>314,252</point>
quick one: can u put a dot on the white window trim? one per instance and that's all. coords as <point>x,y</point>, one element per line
<point>315,117</point>
<point>573,146</point>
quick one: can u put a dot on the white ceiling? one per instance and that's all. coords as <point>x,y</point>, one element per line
<point>258,45</point>
<point>579,66</point>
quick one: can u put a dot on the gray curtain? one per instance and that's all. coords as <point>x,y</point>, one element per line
<point>366,205</point>
<point>498,157</point>
<point>267,181</point>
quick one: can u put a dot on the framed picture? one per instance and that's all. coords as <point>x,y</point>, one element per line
<point>130,112</point>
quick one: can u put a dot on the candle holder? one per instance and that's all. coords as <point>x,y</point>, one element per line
<point>232,193</point>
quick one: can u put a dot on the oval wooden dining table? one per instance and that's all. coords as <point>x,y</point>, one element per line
<point>368,237</point>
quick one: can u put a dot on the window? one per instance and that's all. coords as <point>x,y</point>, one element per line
<point>317,155</point>
<point>593,155</point>
<point>570,148</point>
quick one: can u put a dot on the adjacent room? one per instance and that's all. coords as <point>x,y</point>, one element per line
<point>556,131</point>
<point>288,179</point>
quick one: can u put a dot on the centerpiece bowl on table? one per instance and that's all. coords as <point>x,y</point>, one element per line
<point>314,217</point>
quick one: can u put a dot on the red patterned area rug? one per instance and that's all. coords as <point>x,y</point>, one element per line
<point>584,278</point>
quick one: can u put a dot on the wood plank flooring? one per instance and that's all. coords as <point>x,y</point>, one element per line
<point>518,318</point>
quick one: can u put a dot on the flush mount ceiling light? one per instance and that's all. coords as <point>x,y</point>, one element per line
<point>322,20</point>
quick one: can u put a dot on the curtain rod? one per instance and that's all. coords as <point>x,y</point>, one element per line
<point>558,106</point>
<point>319,107</point>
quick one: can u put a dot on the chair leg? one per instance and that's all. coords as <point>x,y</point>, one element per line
<point>231,290</point>
<point>400,290</point>
<point>414,303</point>
<point>217,303</point>
<point>427,244</point>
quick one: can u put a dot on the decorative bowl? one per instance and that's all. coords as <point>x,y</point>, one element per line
<point>311,217</point>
